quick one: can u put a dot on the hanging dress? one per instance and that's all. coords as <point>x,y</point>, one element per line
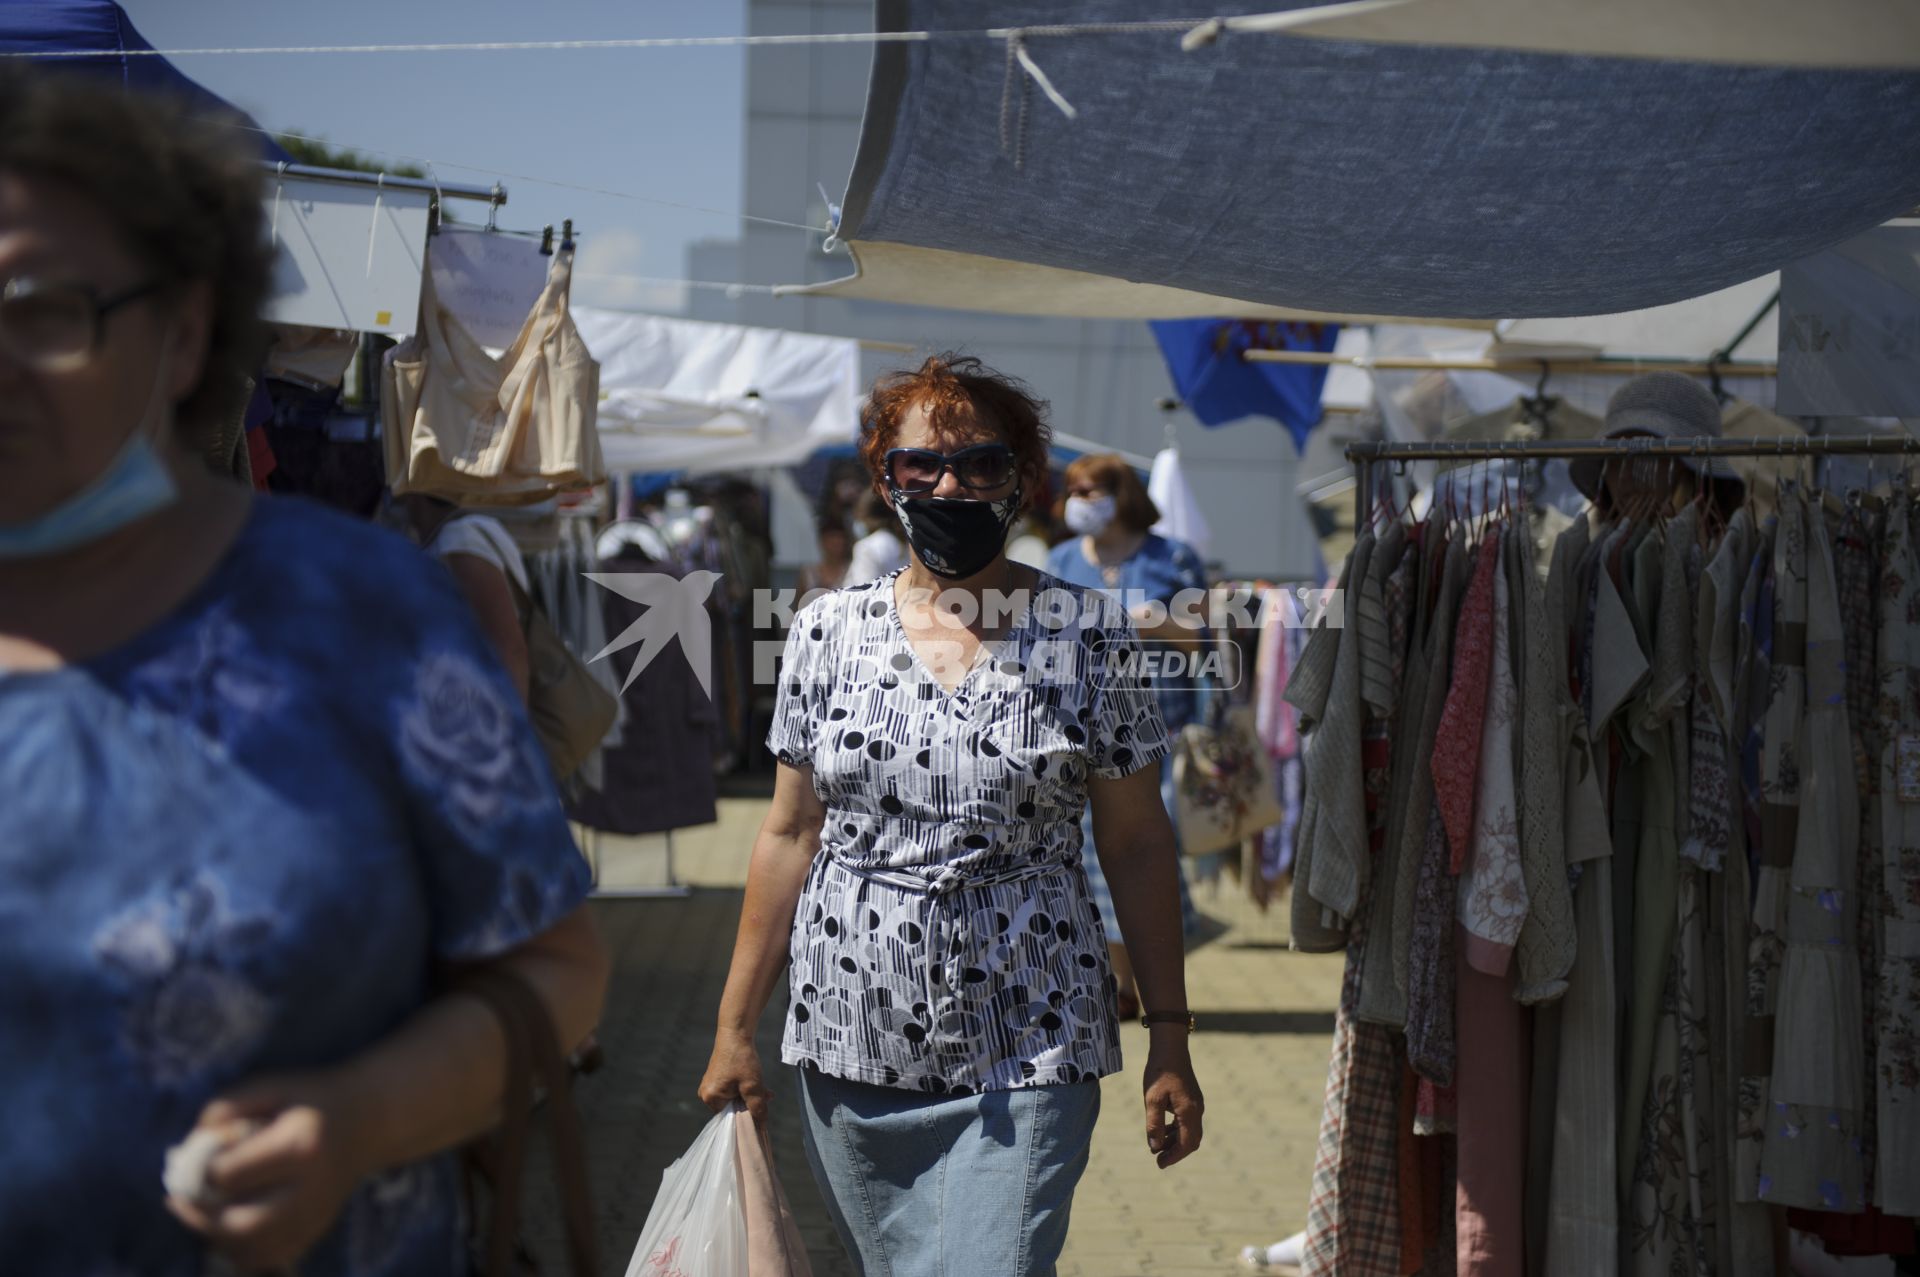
<point>1897,1007</point>
<point>1582,1211</point>
<point>1780,781</point>
<point>1669,1221</point>
<point>1813,1154</point>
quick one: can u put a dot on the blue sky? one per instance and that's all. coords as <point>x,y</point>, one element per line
<point>660,123</point>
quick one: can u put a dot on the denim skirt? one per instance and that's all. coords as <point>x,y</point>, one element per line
<point>926,1185</point>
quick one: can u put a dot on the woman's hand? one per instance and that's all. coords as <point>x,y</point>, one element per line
<point>1172,1091</point>
<point>280,1187</point>
<point>733,1073</point>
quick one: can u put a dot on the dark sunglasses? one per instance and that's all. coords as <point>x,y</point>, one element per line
<point>980,468</point>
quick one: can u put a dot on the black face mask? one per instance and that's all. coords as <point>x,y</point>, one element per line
<point>956,539</point>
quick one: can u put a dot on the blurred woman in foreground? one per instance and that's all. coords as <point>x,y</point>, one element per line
<point>266,789</point>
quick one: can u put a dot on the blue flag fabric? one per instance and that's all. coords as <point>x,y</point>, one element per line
<point>1218,386</point>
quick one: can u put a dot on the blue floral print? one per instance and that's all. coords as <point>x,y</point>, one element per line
<point>241,844</point>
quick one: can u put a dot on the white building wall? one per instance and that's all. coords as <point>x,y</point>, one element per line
<point>1103,378</point>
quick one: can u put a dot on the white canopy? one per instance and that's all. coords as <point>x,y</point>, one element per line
<point>1697,328</point>
<point>1786,33</point>
<point>680,394</point>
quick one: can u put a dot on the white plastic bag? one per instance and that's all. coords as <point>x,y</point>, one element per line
<point>698,1224</point>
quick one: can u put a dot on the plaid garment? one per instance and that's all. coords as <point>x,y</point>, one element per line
<point>1353,1214</point>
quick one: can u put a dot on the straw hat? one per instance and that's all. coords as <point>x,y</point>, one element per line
<point>1665,405</point>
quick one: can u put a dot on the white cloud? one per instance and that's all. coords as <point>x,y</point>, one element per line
<point>611,271</point>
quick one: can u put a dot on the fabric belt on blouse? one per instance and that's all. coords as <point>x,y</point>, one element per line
<point>940,914</point>
<point>945,880</point>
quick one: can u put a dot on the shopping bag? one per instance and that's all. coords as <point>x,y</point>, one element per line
<point>1223,787</point>
<point>774,1248</point>
<point>720,1211</point>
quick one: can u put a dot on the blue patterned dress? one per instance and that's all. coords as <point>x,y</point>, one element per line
<point>240,844</point>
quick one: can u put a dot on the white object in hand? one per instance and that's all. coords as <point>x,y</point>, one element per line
<point>185,1173</point>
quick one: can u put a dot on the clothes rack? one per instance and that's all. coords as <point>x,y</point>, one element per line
<point>1363,455</point>
<point>1509,363</point>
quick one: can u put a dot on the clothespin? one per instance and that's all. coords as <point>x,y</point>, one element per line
<point>546,242</point>
<point>566,235</point>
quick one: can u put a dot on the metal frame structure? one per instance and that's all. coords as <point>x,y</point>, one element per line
<point>494,196</point>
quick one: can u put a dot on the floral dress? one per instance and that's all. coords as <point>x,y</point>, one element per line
<point>240,844</point>
<point>1897,1008</point>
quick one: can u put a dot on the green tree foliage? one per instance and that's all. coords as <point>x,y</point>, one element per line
<point>318,153</point>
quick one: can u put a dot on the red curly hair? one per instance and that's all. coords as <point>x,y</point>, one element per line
<point>958,390</point>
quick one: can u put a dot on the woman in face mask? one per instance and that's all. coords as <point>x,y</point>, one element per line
<point>940,732</point>
<point>1107,508</point>
<point>260,775</point>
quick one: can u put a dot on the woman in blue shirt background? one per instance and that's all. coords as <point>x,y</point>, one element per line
<point>1107,508</point>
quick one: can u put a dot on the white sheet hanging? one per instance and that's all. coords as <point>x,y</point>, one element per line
<point>1180,517</point>
<point>680,394</point>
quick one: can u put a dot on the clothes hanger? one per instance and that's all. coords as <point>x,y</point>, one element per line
<point>1539,406</point>
<point>1711,524</point>
<point>1398,470</point>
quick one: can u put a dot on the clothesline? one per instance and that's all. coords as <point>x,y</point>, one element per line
<point>1197,34</point>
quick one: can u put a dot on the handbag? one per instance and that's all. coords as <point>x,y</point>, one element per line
<point>536,1074</point>
<point>571,711</point>
<point>1223,785</point>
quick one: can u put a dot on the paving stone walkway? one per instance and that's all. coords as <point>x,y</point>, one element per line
<point>1266,1018</point>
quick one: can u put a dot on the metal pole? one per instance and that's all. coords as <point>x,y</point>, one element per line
<point>1752,324</point>
<point>1786,446</point>
<point>495,195</point>
<point>1611,367</point>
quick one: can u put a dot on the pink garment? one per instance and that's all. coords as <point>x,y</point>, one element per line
<point>1276,721</point>
<point>1456,746</point>
<point>1490,1084</point>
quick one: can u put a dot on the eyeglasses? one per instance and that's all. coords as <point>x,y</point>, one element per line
<point>981,468</point>
<point>58,327</point>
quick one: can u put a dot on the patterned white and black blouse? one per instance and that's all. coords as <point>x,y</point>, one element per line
<point>944,940</point>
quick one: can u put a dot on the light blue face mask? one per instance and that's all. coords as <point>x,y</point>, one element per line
<point>135,484</point>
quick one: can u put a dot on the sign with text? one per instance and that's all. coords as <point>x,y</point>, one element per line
<point>1850,328</point>
<point>347,256</point>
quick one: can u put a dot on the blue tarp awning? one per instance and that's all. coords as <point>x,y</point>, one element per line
<point>102,26</point>
<point>1347,176</point>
